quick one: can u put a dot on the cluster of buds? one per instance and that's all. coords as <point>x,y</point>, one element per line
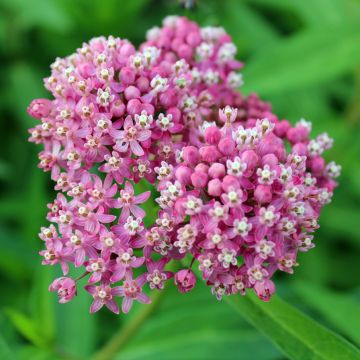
<point>230,196</point>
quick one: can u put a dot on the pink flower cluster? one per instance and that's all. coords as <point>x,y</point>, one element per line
<point>231,197</point>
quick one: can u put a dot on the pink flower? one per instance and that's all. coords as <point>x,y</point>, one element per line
<point>128,202</point>
<point>103,295</point>
<point>156,276</point>
<point>132,290</point>
<point>65,288</point>
<point>131,136</point>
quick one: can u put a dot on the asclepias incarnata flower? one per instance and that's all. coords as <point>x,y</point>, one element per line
<point>239,191</point>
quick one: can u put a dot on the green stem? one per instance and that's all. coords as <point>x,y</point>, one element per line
<point>125,333</point>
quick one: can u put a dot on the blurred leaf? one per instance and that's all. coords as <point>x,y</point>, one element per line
<point>73,319</point>
<point>195,326</point>
<point>42,303</point>
<point>5,351</point>
<point>33,353</point>
<point>26,327</point>
<point>328,12</point>
<point>296,334</point>
<point>246,26</point>
<point>16,257</point>
<point>341,310</point>
<point>43,13</point>
<point>25,85</point>
<point>342,220</point>
<point>312,57</point>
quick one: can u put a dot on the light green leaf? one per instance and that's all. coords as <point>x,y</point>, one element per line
<point>341,310</point>
<point>26,327</point>
<point>309,58</point>
<point>298,336</point>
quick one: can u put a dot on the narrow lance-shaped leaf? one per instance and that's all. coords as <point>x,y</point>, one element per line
<point>297,335</point>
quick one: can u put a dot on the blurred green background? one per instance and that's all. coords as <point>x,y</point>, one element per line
<point>302,55</point>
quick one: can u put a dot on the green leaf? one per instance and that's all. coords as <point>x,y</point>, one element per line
<point>338,12</point>
<point>34,353</point>
<point>42,302</point>
<point>76,328</point>
<point>5,351</point>
<point>306,59</point>
<point>296,335</point>
<point>340,310</point>
<point>30,13</point>
<point>26,327</point>
<point>195,326</point>
<point>247,30</point>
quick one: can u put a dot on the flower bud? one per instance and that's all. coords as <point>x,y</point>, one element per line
<point>251,159</point>
<point>300,149</point>
<point>191,155</point>
<point>297,134</point>
<point>65,288</point>
<point>230,181</point>
<point>216,170</point>
<point>214,187</point>
<point>132,92</point>
<point>269,159</point>
<point>183,174</point>
<point>39,108</point>
<point>264,289</point>
<point>226,146</point>
<point>117,108</point>
<point>317,164</point>
<point>199,179</point>
<point>212,135</point>
<point>281,128</point>
<point>126,76</point>
<point>185,280</point>
<point>263,194</point>
<point>209,153</point>
<point>133,107</point>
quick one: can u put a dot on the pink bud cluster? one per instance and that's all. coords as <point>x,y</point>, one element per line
<point>230,194</point>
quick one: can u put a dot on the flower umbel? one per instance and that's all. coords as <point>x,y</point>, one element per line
<point>240,191</point>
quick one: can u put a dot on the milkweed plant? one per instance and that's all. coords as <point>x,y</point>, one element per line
<point>239,191</point>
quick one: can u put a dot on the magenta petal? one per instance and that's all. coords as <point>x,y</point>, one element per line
<point>144,135</point>
<point>96,306</point>
<point>143,298</point>
<point>141,198</point>
<point>112,306</point>
<point>127,304</point>
<point>118,274</point>
<point>117,291</point>
<point>106,218</point>
<point>90,288</point>
<point>79,257</point>
<point>137,211</point>
<point>136,148</point>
